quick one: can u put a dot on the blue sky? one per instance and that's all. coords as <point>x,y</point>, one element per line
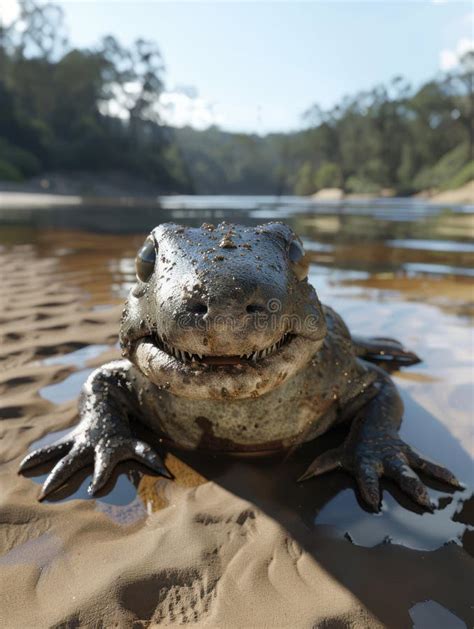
<point>256,66</point>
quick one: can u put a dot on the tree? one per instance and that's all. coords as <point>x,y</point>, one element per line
<point>38,32</point>
<point>305,183</point>
<point>133,77</point>
<point>460,87</point>
<point>97,108</point>
<point>328,176</point>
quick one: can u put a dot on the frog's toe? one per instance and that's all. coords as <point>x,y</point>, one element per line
<point>330,460</point>
<point>146,455</point>
<point>438,472</point>
<point>368,481</point>
<point>47,453</point>
<point>76,459</point>
<point>104,464</point>
<point>398,470</point>
<point>109,454</point>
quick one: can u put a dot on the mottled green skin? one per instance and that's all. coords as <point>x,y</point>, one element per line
<point>212,291</point>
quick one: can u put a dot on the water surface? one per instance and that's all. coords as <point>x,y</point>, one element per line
<point>391,268</point>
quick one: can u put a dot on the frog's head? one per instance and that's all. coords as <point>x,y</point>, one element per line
<point>221,312</point>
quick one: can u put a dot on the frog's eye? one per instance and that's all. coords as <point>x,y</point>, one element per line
<point>145,260</point>
<point>295,251</point>
<point>298,259</point>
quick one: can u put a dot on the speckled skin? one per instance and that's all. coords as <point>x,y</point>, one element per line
<point>227,348</point>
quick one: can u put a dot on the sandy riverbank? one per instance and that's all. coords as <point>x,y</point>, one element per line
<point>460,196</point>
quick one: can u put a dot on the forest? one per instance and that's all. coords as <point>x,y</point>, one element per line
<point>73,110</point>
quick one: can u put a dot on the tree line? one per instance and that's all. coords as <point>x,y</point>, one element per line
<point>68,109</point>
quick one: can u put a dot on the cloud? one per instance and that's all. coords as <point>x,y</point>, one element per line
<point>469,18</point>
<point>179,107</point>
<point>9,11</point>
<point>183,106</point>
<point>449,59</point>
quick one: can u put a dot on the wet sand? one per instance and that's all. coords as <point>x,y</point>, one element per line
<point>229,543</point>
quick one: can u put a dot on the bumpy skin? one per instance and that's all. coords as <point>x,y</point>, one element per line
<point>227,348</point>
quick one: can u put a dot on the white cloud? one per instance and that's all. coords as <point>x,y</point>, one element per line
<point>179,107</point>
<point>183,106</point>
<point>449,59</point>
<point>469,18</point>
<point>9,11</point>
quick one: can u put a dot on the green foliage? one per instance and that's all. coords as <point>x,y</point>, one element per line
<point>17,163</point>
<point>218,162</point>
<point>329,175</point>
<point>55,102</point>
<point>358,185</point>
<point>407,168</point>
<point>446,170</point>
<point>8,172</point>
<point>305,180</point>
<point>465,175</point>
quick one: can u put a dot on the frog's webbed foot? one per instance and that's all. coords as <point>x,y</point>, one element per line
<point>391,457</point>
<point>385,352</point>
<point>78,451</point>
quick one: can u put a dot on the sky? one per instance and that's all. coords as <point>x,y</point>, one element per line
<point>257,66</point>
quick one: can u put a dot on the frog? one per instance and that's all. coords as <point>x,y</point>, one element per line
<point>228,350</point>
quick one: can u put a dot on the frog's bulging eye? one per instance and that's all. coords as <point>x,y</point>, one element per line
<point>295,251</point>
<point>298,260</point>
<point>145,260</point>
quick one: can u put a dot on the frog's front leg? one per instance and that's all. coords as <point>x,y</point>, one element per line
<point>374,449</point>
<point>103,436</point>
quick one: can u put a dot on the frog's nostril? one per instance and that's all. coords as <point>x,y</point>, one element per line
<point>197,307</point>
<point>255,308</point>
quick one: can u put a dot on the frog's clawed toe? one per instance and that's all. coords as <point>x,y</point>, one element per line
<point>106,458</point>
<point>385,352</point>
<point>391,458</point>
<point>47,453</point>
<point>330,460</point>
<point>77,458</point>
<point>104,455</point>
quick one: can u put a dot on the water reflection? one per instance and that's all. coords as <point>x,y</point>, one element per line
<point>395,524</point>
<point>432,245</point>
<point>66,390</point>
<point>432,615</point>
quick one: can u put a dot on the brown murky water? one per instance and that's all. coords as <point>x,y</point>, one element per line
<point>390,270</point>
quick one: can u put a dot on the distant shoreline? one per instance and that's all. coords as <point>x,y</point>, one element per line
<point>29,200</point>
<point>68,192</point>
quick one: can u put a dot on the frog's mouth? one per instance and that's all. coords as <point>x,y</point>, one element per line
<point>221,360</point>
<point>201,376</point>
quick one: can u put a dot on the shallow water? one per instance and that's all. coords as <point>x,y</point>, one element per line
<point>399,269</point>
